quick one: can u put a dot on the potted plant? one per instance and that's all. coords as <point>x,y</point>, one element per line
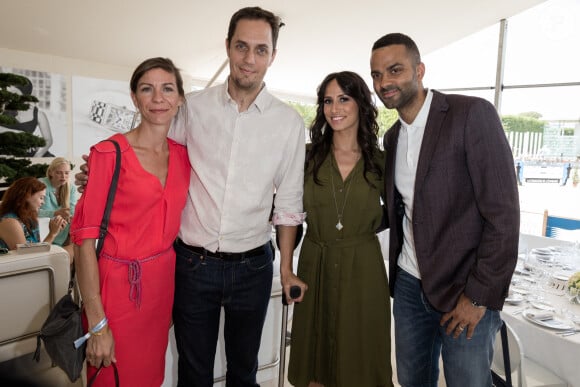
<point>16,145</point>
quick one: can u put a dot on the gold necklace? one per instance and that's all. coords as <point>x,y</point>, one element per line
<point>339,215</point>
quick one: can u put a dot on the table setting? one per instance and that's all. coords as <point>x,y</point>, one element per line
<point>543,307</point>
<point>548,279</point>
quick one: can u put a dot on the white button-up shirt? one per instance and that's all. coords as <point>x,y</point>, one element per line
<point>238,160</point>
<point>408,148</point>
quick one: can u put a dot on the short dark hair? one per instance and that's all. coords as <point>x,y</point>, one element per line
<point>157,63</point>
<point>255,13</point>
<point>398,38</point>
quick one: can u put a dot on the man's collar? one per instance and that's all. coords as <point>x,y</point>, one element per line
<point>421,118</point>
<point>261,101</point>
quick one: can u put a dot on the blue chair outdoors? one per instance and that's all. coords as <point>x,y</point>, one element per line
<point>561,228</point>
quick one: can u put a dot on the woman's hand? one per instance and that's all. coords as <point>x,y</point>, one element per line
<point>101,348</point>
<point>56,225</point>
<point>64,212</point>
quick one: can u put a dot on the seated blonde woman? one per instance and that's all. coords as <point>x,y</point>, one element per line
<point>60,199</point>
<point>19,214</point>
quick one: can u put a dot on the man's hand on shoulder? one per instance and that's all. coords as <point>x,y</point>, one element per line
<point>82,177</point>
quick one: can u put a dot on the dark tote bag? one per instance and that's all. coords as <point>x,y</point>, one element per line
<point>61,328</point>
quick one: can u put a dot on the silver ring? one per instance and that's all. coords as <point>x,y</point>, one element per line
<point>461,328</point>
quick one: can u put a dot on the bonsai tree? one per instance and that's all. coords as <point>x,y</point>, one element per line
<point>16,144</point>
<point>11,102</point>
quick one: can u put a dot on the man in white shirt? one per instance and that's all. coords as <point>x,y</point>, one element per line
<point>243,145</point>
<point>453,210</point>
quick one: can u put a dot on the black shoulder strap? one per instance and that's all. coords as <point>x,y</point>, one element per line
<point>110,198</point>
<point>105,220</point>
<point>506,354</point>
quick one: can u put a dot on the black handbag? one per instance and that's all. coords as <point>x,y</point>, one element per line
<point>61,328</point>
<point>64,324</point>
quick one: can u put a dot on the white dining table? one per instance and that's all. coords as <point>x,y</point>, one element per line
<point>560,354</point>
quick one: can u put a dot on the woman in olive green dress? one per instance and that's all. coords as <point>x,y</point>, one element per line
<point>341,329</point>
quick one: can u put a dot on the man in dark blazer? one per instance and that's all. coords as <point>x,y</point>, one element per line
<point>453,209</point>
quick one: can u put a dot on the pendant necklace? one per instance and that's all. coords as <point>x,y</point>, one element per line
<point>339,225</point>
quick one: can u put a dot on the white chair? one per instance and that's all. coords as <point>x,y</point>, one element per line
<point>527,372</point>
<point>30,285</point>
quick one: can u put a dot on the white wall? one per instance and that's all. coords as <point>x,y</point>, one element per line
<point>68,68</point>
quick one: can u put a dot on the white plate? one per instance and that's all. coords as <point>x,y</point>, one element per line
<point>553,322</point>
<point>522,271</point>
<point>514,299</point>
<point>519,290</point>
<point>541,305</point>
<point>545,259</point>
<point>561,277</point>
<point>543,250</point>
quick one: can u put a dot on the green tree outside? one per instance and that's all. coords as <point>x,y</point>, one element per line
<point>385,119</point>
<point>525,122</point>
<point>306,111</point>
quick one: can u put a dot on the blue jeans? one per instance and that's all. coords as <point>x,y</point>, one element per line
<point>420,340</point>
<point>202,287</point>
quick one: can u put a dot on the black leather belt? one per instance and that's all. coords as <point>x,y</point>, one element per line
<point>222,255</point>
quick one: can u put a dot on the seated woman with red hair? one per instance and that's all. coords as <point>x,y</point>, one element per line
<point>19,214</point>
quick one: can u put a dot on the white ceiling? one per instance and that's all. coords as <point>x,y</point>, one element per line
<point>320,36</point>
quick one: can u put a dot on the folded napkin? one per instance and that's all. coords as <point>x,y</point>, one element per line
<point>539,315</point>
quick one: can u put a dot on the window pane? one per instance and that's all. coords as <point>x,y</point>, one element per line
<point>553,103</point>
<point>469,62</point>
<point>542,44</point>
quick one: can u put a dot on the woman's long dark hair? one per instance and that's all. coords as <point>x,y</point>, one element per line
<point>321,133</point>
<point>15,200</point>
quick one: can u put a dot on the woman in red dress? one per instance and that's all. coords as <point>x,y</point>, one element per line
<point>128,292</point>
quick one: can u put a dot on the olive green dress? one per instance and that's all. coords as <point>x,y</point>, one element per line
<point>341,330</point>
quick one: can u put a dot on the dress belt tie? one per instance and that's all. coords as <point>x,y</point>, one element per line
<point>345,242</point>
<point>134,273</point>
